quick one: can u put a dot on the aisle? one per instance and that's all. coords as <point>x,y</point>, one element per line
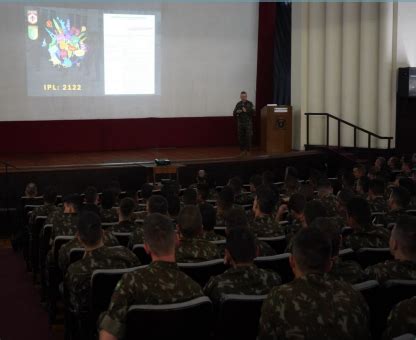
<point>22,316</point>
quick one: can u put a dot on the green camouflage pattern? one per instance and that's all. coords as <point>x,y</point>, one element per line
<point>196,250</point>
<point>378,204</point>
<point>368,237</point>
<point>392,270</point>
<point>211,235</point>
<point>402,319</point>
<point>267,226</point>
<point>108,215</point>
<point>347,271</point>
<point>330,203</point>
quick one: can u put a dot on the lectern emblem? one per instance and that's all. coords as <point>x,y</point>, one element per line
<point>281,123</point>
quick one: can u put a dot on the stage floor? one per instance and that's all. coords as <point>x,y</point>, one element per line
<point>65,161</point>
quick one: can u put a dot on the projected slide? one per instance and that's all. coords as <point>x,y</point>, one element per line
<point>74,52</point>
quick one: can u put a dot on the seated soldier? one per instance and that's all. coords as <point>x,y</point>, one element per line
<point>365,234</point>
<point>295,207</point>
<point>236,218</point>
<point>209,221</point>
<point>398,203</point>
<point>343,197</point>
<point>311,306</point>
<point>240,197</point>
<point>64,221</point>
<point>162,282</point>
<point>203,193</point>
<point>125,217</point>
<point>376,198</point>
<point>264,223</point>
<point>326,196</point>
<point>255,182</point>
<point>48,207</point>
<point>403,248</point>
<point>146,192</point>
<point>155,204</point>
<point>189,197</point>
<point>91,200</point>
<point>191,247</point>
<point>225,202</point>
<point>108,201</point>
<point>97,256</point>
<point>243,278</point>
<point>348,271</point>
<point>401,319</point>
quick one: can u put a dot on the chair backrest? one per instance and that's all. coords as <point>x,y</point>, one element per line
<point>278,263</point>
<point>238,316</point>
<point>218,242</point>
<point>346,231</point>
<point>278,243</point>
<point>76,254</point>
<point>220,230</point>
<point>369,256</point>
<point>411,212</point>
<point>138,250</point>
<point>103,282</point>
<point>34,242</point>
<point>122,238</point>
<point>185,320</point>
<point>347,254</point>
<point>44,241</point>
<point>58,242</point>
<point>202,271</point>
<point>107,225</point>
<point>398,290</point>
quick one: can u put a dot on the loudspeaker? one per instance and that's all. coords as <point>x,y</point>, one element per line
<point>406,86</point>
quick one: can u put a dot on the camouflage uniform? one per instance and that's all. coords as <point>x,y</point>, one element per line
<point>63,224</point>
<point>313,307</point>
<point>158,283</point>
<point>368,237</point>
<point>392,270</point>
<point>402,319</point>
<point>244,123</point>
<point>264,249</point>
<point>136,237</point>
<point>78,276</point>
<point>244,198</point>
<point>211,235</point>
<point>347,271</point>
<point>196,250</point>
<point>124,227</point>
<point>267,226</point>
<point>63,260</point>
<point>330,203</point>
<point>378,204</point>
<point>108,215</point>
<point>43,210</point>
<point>393,216</point>
<point>244,280</point>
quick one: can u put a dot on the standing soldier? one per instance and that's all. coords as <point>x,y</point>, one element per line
<point>244,112</point>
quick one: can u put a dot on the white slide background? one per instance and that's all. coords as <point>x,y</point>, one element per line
<point>208,55</point>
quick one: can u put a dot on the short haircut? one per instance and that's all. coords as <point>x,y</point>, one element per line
<point>89,228</point>
<point>209,216</point>
<point>127,206</point>
<point>226,198</point>
<point>236,184</point>
<point>157,204</point>
<point>405,234</point>
<point>329,226</point>
<point>189,197</point>
<point>401,197</point>
<point>256,180</point>
<point>314,209</point>
<point>297,203</point>
<point>243,92</point>
<point>311,250</point>
<point>189,221</point>
<point>146,191</point>
<point>159,234</point>
<point>108,199</point>
<point>50,195</point>
<point>377,186</point>
<point>344,196</point>
<point>236,217</point>
<point>174,205</point>
<point>266,199</point>
<point>73,199</point>
<point>91,195</point>
<point>359,209</point>
<point>241,244</point>
<point>203,190</point>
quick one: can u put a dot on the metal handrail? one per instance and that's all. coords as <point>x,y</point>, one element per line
<point>339,120</point>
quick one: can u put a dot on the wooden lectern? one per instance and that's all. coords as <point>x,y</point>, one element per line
<point>276,129</point>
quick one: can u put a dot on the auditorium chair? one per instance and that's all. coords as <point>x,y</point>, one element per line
<point>347,254</point>
<point>220,230</point>
<point>138,250</point>
<point>378,217</point>
<point>122,238</point>
<point>35,229</point>
<point>370,256</point>
<point>278,243</point>
<point>188,320</point>
<point>76,254</point>
<point>44,246</point>
<point>238,316</point>
<point>411,212</point>
<point>219,242</point>
<point>107,225</point>
<point>346,231</point>
<point>202,271</point>
<point>278,263</point>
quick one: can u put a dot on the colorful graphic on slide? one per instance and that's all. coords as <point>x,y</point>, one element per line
<point>67,46</point>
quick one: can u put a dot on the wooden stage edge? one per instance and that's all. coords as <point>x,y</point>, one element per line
<point>42,162</point>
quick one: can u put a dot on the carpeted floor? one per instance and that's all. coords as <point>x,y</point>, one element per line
<point>22,316</point>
